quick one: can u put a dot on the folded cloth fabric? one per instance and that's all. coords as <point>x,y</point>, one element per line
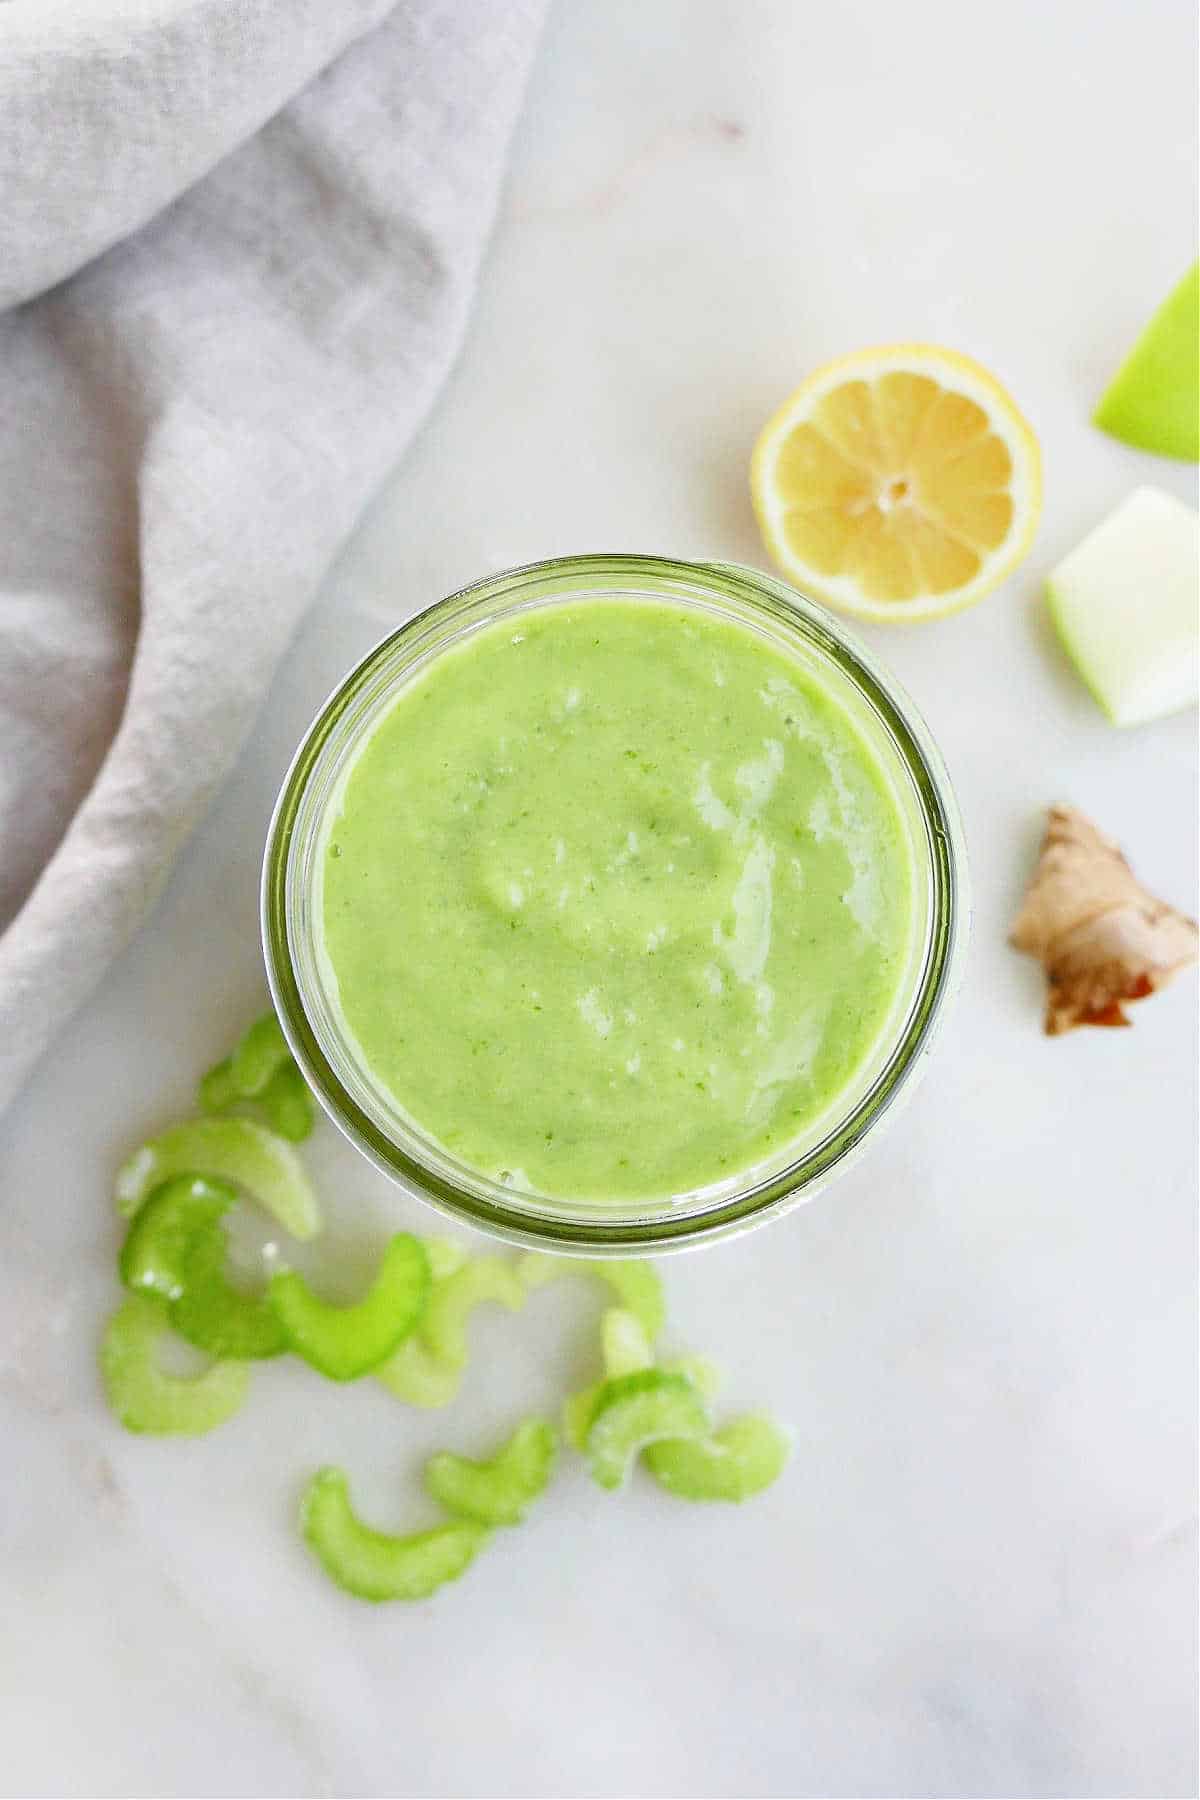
<point>263,220</point>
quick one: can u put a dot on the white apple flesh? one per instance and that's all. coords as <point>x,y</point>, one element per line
<point>1126,606</point>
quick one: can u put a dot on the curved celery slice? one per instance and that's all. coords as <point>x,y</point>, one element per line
<point>739,1460</point>
<point>624,1347</point>
<point>413,1374</point>
<point>501,1490</point>
<point>157,1241</point>
<point>371,1564</point>
<point>143,1396</point>
<point>636,1284</point>
<point>286,1104</point>
<point>234,1150</point>
<point>577,1411</point>
<point>258,1054</point>
<point>217,1088</point>
<point>344,1342</point>
<point>444,1327</point>
<point>215,1316</point>
<point>175,1247</point>
<point>631,1411</point>
<point>256,1058</point>
<point>261,1072</point>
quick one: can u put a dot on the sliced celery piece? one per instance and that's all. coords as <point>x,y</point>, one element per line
<point>444,1327</point>
<point>176,1248</point>
<point>217,1088</point>
<point>344,1342</point>
<point>738,1460</point>
<point>371,1564</point>
<point>577,1411</point>
<point>624,1347</point>
<point>636,1284</point>
<point>413,1374</point>
<point>634,1410</point>
<point>417,1374</point>
<point>261,1073</point>
<point>259,1053</point>
<point>214,1315</point>
<point>143,1396</point>
<point>164,1229</point>
<point>500,1490</point>
<point>238,1151</point>
<point>286,1104</point>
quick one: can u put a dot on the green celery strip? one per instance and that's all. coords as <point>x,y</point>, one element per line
<point>444,1327</point>
<point>371,1564</point>
<point>287,1105</point>
<point>624,1347</point>
<point>143,1396</point>
<point>261,1072</point>
<point>734,1463</point>
<point>214,1315</point>
<point>501,1490</point>
<point>631,1411</point>
<point>258,1054</point>
<point>427,1368</point>
<point>217,1088</point>
<point>175,1247</point>
<point>577,1410</point>
<point>413,1374</point>
<point>344,1342</point>
<point>237,1151</point>
<point>164,1229</point>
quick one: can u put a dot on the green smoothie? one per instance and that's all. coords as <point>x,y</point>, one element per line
<point>615,900</point>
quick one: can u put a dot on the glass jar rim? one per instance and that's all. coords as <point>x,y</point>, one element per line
<point>476,1199</point>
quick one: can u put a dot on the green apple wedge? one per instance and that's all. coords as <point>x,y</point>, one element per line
<point>1124,603</point>
<point>1153,400</point>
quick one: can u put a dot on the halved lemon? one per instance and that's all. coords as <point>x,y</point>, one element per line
<point>898,483</point>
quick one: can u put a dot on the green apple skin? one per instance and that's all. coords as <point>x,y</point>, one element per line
<point>1153,401</point>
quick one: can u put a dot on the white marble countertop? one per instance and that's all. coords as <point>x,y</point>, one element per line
<point>977,1578</point>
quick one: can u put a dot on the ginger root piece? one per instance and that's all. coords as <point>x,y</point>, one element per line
<point>1102,939</point>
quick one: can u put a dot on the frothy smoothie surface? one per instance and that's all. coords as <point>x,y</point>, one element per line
<point>616,899</point>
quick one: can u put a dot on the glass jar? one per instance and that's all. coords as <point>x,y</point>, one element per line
<point>302,988</point>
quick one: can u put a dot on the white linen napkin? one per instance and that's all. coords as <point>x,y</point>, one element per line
<point>264,219</point>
